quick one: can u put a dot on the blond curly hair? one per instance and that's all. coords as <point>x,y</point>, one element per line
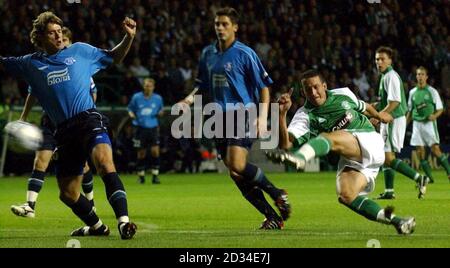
<point>40,25</point>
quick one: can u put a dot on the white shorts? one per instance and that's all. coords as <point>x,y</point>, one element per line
<point>424,133</point>
<point>394,134</point>
<point>371,144</point>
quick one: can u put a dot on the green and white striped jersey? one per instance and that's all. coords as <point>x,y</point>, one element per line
<point>341,110</point>
<point>423,102</point>
<point>391,89</point>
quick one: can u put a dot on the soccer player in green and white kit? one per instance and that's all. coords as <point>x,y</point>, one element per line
<point>334,121</point>
<point>425,106</point>
<point>393,101</point>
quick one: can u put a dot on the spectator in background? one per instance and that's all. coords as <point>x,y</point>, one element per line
<point>138,70</point>
<point>186,69</point>
<point>360,80</point>
<point>262,47</point>
<point>10,90</point>
<point>169,34</point>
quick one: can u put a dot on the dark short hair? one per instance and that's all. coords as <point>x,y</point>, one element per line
<point>386,50</point>
<point>40,25</point>
<point>230,13</point>
<point>67,33</point>
<point>312,73</point>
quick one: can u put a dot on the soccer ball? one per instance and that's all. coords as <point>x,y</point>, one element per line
<point>23,136</point>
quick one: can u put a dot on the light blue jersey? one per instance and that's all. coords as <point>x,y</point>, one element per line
<point>61,82</point>
<point>92,89</point>
<point>146,109</point>
<point>233,76</point>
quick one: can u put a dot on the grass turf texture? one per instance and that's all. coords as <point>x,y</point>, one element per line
<point>207,210</point>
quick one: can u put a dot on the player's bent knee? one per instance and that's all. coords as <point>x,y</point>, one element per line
<point>235,176</point>
<point>436,150</point>
<point>104,163</point>
<point>68,197</point>
<point>344,200</point>
<point>155,151</point>
<point>104,168</point>
<point>388,160</point>
<point>237,166</point>
<point>41,164</point>
<point>346,197</point>
<point>40,167</point>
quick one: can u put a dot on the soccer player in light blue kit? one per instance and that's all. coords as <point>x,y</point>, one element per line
<point>230,73</point>
<point>144,108</point>
<point>44,153</point>
<point>60,80</point>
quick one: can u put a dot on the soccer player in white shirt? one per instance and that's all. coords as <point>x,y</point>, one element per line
<point>393,101</point>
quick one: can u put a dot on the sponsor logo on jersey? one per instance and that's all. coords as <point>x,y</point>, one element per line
<point>146,111</point>
<point>219,80</point>
<point>344,122</point>
<point>57,77</point>
<point>421,106</point>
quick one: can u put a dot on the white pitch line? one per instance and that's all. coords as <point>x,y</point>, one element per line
<point>253,232</point>
<point>153,228</point>
<point>146,226</point>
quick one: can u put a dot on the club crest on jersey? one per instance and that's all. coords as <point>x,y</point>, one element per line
<point>345,105</point>
<point>228,66</point>
<point>69,61</point>
<point>321,120</point>
<point>57,77</point>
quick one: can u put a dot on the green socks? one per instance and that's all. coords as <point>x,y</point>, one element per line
<point>365,207</point>
<point>426,168</point>
<point>318,146</point>
<point>405,169</point>
<point>389,175</point>
<point>400,166</point>
<point>443,161</point>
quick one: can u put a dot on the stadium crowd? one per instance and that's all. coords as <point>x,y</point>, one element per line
<point>290,36</point>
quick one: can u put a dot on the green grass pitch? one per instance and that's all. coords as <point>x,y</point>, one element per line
<point>207,211</point>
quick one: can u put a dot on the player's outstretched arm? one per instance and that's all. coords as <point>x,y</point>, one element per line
<point>121,50</point>
<point>29,102</point>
